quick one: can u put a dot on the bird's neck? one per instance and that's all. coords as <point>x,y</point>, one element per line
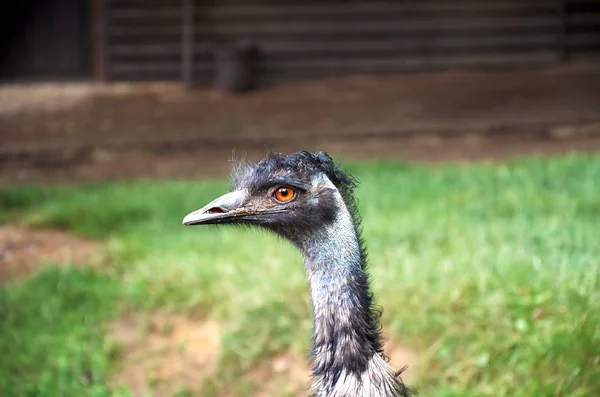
<point>346,338</point>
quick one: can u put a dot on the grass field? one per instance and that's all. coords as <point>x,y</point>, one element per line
<point>491,272</point>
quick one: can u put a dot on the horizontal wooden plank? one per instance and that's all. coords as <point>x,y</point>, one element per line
<point>150,59</point>
<point>144,30</point>
<point>278,75</point>
<point>475,26</point>
<point>366,47</point>
<point>153,67</point>
<point>582,6</point>
<point>368,65</point>
<point>144,67</point>
<point>168,12</point>
<point>312,3</point>
<point>200,79</point>
<point>585,56</point>
<point>258,13</point>
<point>168,34</point>
<point>145,3</point>
<point>584,39</point>
<point>269,75</point>
<point>150,16</point>
<point>279,9</point>
<point>301,47</point>
<point>363,63</point>
<point>297,23</point>
<point>378,26</point>
<point>583,20</point>
<point>430,35</point>
<point>146,49</point>
<point>296,11</point>
<point>290,62</point>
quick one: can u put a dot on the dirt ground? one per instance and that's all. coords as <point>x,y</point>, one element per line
<point>74,132</point>
<point>24,250</point>
<point>216,161</point>
<point>164,353</point>
<point>169,353</point>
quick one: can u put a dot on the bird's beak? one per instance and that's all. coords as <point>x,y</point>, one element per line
<point>225,209</point>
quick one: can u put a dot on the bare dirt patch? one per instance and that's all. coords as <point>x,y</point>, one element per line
<point>455,100</point>
<point>214,160</point>
<point>51,97</point>
<point>169,353</point>
<point>23,251</point>
<point>286,374</point>
<point>165,353</point>
<point>402,356</point>
<point>56,133</point>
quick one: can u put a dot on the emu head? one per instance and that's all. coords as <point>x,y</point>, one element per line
<point>292,196</point>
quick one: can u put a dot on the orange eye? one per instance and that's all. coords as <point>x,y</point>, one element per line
<point>284,194</point>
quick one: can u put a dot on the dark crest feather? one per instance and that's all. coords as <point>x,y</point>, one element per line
<point>303,161</point>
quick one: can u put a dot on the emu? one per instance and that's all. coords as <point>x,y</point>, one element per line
<point>306,199</point>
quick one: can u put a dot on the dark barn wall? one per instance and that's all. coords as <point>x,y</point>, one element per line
<point>45,40</point>
<point>582,29</point>
<point>319,38</point>
<point>142,39</point>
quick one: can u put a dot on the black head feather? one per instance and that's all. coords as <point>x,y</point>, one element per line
<point>301,165</point>
<point>314,208</point>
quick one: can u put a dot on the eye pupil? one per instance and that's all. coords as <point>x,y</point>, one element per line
<point>284,194</point>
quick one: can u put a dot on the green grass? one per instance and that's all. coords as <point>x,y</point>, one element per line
<point>51,344</point>
<point>491,271</point>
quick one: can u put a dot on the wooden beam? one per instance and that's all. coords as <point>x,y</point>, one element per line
<point>562,30</point>
<point>99,38</point>
<point>187,43</point>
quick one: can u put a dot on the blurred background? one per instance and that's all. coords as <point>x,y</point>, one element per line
<point>472,126</point>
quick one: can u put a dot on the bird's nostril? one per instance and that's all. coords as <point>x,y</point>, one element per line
<point>215,210</point>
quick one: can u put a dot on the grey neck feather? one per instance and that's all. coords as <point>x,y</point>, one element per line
<point>346,338</point>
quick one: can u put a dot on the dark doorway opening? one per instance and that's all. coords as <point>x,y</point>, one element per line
<point>46,40</point>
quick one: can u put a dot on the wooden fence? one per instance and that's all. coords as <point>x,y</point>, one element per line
<point>173,39</point>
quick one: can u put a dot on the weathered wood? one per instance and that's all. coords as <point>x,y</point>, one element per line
<point>325,38</point>
<point>311,10</point>
<point>303,48</point>
<point>389,25</point>
<point>187,43</point>
<point>147,49</point>
<point>99,40</point>
<point>172,67</point>
<point>582,25</point>
<point>583,39</point>
<point>336,29</point>
<point>583,20</point>
<point>397,46</point>
<point>368,65</point>
<point>294,72</point>
<point>136,13</point>
<point>562,30</point>
<point>146,67</point>
<point>361,64</point>
<point>145,31</point>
